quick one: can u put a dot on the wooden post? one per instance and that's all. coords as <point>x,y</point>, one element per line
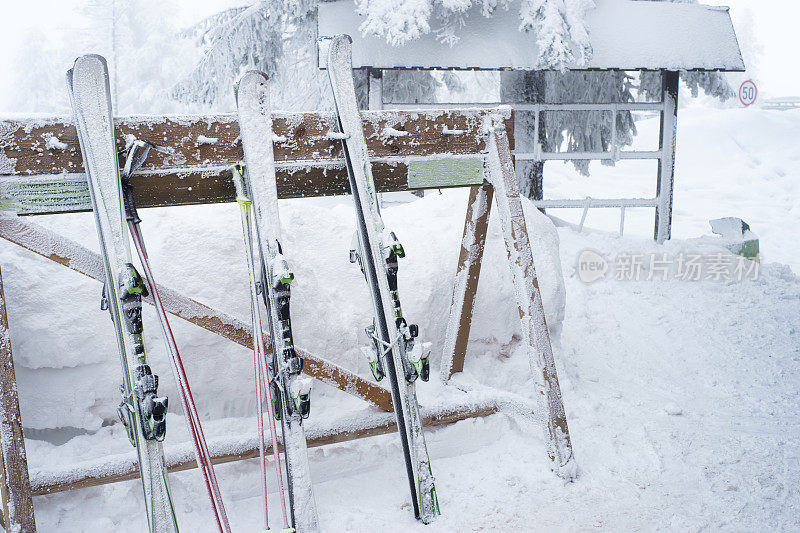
<point>374,89</point>
<point>466,283</point>
<point>666,163</point>
<point>15,485</point>
<point>529,300</point>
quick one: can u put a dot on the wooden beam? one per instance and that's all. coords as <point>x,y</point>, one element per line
<point>46,194</point>
<point>72,255</point>
<point>41,169</point>
<point>353,428</point>
<point>465,287</point>
<point>28,145</point>
<point>15,486</point>
<point>529,301</point>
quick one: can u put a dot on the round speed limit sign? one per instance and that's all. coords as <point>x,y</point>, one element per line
<point>748,93</point>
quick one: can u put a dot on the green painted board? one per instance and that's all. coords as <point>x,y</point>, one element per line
<point>436,173</point>
<point>45,194</point>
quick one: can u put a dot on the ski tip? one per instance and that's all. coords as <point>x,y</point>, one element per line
<point>89,65</point>
<point>339,51</point>
<point>88,59</point>
<point>253,82</point>
<point>250,79</point>
<point>256,74</point>
<point>342,37</point>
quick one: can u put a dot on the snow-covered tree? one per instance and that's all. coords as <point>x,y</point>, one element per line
<point>271,36</point>
<point>38,76</point>
<point>275,37</point>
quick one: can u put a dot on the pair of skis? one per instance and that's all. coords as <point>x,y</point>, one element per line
<point>395,350</point>
<point>277,377</point>
<point>142,411</point>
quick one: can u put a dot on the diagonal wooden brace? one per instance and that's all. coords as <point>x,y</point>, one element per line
<point>72,255</point>
<point>466,283</point>
<point>501,175</point>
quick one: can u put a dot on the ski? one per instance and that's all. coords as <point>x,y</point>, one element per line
<point>285,389</point>
<point>142,411</point>
<point>393,351</point>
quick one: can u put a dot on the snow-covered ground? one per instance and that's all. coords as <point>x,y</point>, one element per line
<point>681,395</point>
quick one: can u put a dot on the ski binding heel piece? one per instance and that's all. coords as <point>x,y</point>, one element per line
<point>406,334</point>
<point>152,408</point>
<point>300,391</point>
<point>392,244</point>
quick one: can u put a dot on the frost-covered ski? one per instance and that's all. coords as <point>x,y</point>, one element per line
<point>141,410</point>
<point>394,351</point>
<point>288,391</point>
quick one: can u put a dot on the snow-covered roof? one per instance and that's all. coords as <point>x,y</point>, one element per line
<point>627,35</point>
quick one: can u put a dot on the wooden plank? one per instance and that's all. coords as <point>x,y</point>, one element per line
<point>41,165</point>
<point>529,301</point>
<point>50,194</point>
<point>30,146</point>
<point>15,486</point>
<point>466,282</point>
<point>353,429</point>
<point>72,255</point>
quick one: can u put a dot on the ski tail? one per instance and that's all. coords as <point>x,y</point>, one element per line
<point>393,351</point>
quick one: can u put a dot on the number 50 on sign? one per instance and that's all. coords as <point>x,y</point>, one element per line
<point>748,93</point>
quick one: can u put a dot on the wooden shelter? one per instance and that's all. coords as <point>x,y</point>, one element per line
<point>625,35</point>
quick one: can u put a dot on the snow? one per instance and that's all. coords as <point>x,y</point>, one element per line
<point>681,396</point>
<point>54,143</point>
<point>738,162</point>
<point>202,139</point>
<point>627,35</point>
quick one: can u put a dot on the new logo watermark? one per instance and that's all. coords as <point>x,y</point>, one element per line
<point>593,266</point>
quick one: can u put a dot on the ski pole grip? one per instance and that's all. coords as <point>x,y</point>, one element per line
<point>127,198</point>
<point>237,172</point>
<point>136,155</point>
